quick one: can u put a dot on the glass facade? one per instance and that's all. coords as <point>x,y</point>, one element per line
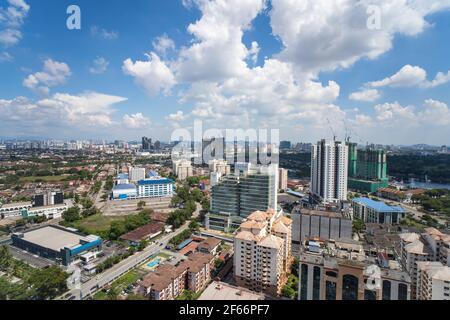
<point>386,290</point>
<point>330,290</point>
<point>316,283</point>
<point>350,287</point>
<point>304,282</point>
<point>257,192</point>
<point>402,291</point>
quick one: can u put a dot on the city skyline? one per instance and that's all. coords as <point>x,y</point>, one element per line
<point>239,63</point>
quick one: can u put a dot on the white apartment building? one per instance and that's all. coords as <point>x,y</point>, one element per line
<point>432,245</point>
<point>282,179</point>
<point>155,187</point>
<point>136,174</point>
<point>329,171</point>
<point>182,169</point>
<point>263,252</point>
<point>433,281</point>
<point>219,166</point>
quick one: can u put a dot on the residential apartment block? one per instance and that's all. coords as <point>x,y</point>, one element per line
<point>168,282</point>
<point>329,170</point>
<point>262,252</point>
<point>433,281</point>
<point>432,245</point>
<point>182,169</point>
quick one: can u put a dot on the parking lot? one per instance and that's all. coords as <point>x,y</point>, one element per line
<point>31,259</point>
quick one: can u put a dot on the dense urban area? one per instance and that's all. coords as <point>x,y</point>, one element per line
<point>137,221</point>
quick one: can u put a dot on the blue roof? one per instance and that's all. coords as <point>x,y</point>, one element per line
<point>124,186</point>
<point>184,244</point>
<point>378,206</point>
<point>122,176</point>
<point>155,181</point>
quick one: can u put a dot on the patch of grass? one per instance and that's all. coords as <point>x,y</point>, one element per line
<point>96,224</point>
<point>125,281</point>
<point>101,295</point>
<point>164,255</point>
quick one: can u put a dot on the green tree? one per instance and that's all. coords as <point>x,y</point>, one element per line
<point>71,214</point>
<point>358,225</point>
<point>194,226</point>
<point>48,283</point>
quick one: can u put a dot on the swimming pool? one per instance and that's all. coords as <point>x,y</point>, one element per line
<point>153,263</point>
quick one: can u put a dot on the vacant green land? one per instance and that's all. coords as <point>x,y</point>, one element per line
<point>96,224</point>
<point>117,286</point>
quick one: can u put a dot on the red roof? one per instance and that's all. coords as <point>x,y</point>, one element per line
<point>144,232</point>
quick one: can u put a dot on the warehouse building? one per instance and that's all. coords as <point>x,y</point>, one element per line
<point>57,243</point>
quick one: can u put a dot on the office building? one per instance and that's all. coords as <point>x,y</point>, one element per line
<point>341,270</point>
<point>262,252</point>
<point>236,196</point>
<point>323,225</point>
<point>285,145</point>
<point>146,144</point>
<point>124,191</point>
<point>136,174</point>
<point>371,211</point>
<point>367,168</point>
<point>56,243</point>
<point>47,199</point>
<point>182,169</point>
<point>329,170</point>
<point>433,281</point>
<point>54,211</point>
<point>431,245</point>
<point>14,209</point>
<point>282,179</point>
<point>155,187</point>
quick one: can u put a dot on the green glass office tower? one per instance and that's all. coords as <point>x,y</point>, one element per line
<point>257,192</point>
<point>235,197</point>
<point>367,169</point>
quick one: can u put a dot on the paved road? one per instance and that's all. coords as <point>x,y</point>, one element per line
<point>119,269</point>
<point>98,197</point>
<point>416,213</point>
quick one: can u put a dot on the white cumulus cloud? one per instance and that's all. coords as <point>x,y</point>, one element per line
<point>153,75</point>
<point>54,73</point>
<point>135,121</point>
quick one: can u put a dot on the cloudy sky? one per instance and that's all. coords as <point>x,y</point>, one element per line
<point>146,67</point>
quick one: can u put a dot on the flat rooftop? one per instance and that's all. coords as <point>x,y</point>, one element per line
<point>378,206</point>
<point>53,238</point>
<point>223,291</point>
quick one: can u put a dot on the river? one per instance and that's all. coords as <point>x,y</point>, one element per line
<point>424,185</point>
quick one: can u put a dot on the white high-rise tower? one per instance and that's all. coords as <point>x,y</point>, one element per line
<point>329,171</point>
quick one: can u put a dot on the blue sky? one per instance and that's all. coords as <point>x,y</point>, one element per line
<point>151,67</point>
